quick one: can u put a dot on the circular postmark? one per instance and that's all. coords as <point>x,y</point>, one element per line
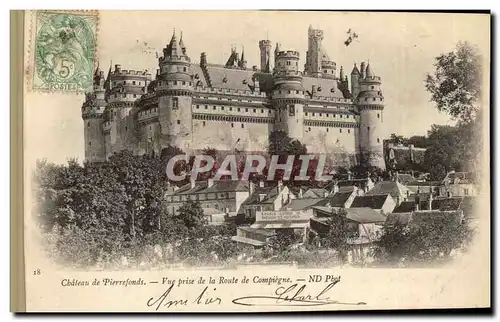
<point>64,51</point>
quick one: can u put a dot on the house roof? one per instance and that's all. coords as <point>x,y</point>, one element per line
<point>361,215</point>
<point>227,78</point>
<point>395,189</point>
<point>324,86</point>
<point>318,192</point>
<point>443,204</point>
<point>301,204</point>
<point>405,178</point>
<point>336,200</point>
<point>270,194</point>
<point>404,207</point>
<point>218,186</point>
<point>370,201</point>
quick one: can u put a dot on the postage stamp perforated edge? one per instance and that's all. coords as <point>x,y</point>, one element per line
<point>30,48</point>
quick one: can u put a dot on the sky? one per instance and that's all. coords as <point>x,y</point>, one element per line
<point>401,49</point>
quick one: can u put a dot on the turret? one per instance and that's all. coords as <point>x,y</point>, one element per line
<point>370,103</point>
<point>265,55</point>
<point>288,94</point>
<point>314,56</point>
<point>93,118</point>
<point>355,78</point>
<point>175,90</point>
<point>362,72</point>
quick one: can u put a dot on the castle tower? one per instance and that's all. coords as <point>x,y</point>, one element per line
<point>175,91</point>
<point>265,55</point>
<point>126,86</point>
<point>355,77</point>
<point>370,103</point>
<point>288,94</point>
<point>314,57</point>
<point>93,118</point>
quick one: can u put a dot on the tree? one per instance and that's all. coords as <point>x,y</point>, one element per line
<point>455,85</point>
<point>191,215</point>
<point>431,238</point>
<point>452,148</point>
<point>339,233</point>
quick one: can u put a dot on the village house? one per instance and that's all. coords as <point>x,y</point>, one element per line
<point>364,225</point>
<point>384,203</point>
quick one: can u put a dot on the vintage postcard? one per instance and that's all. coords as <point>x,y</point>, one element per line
<point>253,161</point>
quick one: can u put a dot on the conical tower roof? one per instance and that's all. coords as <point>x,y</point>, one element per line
<point>355,70</point>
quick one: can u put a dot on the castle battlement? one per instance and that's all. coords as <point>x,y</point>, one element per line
<point>229,91</point>
<point>288,54</point>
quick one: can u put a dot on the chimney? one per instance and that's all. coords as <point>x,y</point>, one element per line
<point>349,175</point>
<point>251,187</point>
<point>261,183</point>
<point>210,182</point>
<point>301,193</point>
<point>262,196</point>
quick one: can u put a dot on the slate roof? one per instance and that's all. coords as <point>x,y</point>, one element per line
<point>218,186</point>
<point>336,200</point>
<point>404,207</point>
<point>301,204</point>
<point>233,77</point>
<point>395,189</point>
<point>270,192</point>
<point>369,201</point>
<point>325,84</point>
<point>361,215</point>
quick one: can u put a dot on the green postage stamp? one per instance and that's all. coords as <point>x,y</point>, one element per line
<point>64,46</point>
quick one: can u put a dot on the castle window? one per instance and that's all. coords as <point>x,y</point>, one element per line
<point>340,115</point>
<point>222,108</point>
<point>325,71</point>
<point>279,92</point>
<point>366,99</point>
<point>288,62</point>
<point>125,128</point>
<point>320,114</point>
<point>135,95</point>
<point>175,103</point>
<point>183,82</point>
<point>242,125</point>
<point>203,123</point>
<point>88,124</point>
<point>378,140</point>
<point>124,82</point>
<point>254,110</point>
<point>220,99</point>
<point>340,130</point>
<point>373,99</point>
<point>178,121</point>
<point>306,113</point>
<point>246,109</point>
<point>230,108</point>
<point>185,69</point>
<point>314,113</point>
<point>206,106</point>
<point>289,92</point>
<point>133,82</point>
<point>239,109</point>
<point>378,115</point>
<point>150,127</point>
<point>327,130</point>
<point>90,143</point>
<point>297,92</point>
<point>175,82</point>
<point>214,108</point>
<point>291,110</point>
<point>368,128</point>
<point>232,124</point>
<point>309,129</point>
<point>197,106</point>
<point>262,110</point>
<point>373,87</point>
